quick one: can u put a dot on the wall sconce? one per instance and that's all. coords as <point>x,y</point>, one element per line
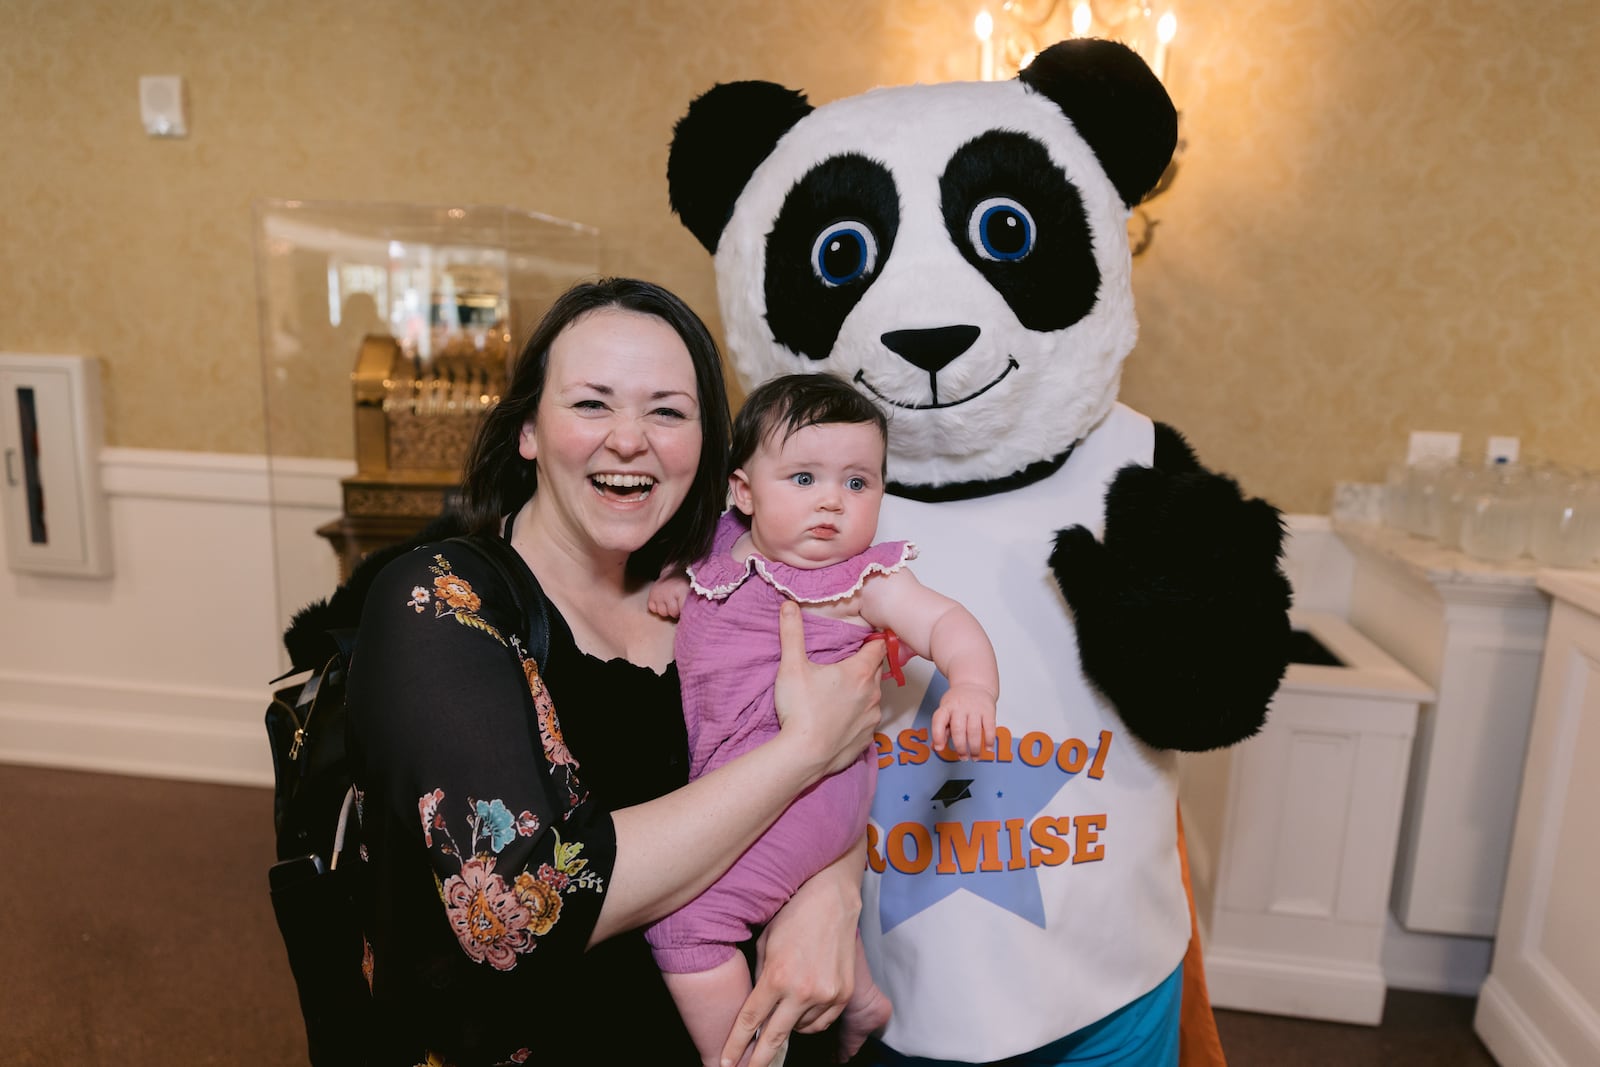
<point>1009,42</point>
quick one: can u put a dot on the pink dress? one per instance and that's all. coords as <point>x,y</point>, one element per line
<point>727,653</point>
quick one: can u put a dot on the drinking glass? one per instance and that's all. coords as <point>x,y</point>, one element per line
<point>1424,487</point>
<point>1461,484</point>
<point>1494,516</point>
<point>1564,530</point>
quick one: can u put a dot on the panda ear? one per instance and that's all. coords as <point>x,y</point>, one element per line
<point>719,143</point>
<point>1117,104</point>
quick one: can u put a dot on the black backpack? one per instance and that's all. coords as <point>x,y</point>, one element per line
<point>313,895</point>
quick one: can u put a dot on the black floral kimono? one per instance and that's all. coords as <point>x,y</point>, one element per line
<point>486,836</point>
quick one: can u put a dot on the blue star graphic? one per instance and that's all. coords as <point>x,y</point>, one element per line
<point>998,792</point>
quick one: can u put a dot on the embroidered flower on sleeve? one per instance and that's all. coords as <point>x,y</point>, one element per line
<point>552,877</point>
<point>488,917</point>
<point>496,823</point>
<point>457,592</point>
<point>555,745</point>
<point>494,921</point>
<point>428,806</point>
<point>542,900</point>
<point>452,596</point>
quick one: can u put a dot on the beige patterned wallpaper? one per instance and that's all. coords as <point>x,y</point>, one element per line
<point>1383,220</point>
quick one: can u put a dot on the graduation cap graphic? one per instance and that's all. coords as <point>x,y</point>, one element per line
<point>953,790</point>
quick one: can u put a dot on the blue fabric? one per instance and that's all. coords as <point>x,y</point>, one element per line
<point>1141,1034</point>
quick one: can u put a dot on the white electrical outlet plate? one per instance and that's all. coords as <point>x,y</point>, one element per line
<point>161,105</point>
<point>1431,446</point>
<point>1502,450</point>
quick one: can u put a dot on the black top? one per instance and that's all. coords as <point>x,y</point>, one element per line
<point>486,832</point>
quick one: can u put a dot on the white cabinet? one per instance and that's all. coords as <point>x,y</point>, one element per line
<point>1475,633</point>
<point>1292,833</point>
<point>1541,1002</point>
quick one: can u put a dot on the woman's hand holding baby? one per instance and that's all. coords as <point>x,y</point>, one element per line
<point>832,709</point>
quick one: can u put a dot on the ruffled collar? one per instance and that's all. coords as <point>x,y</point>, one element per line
<point>719,574</point>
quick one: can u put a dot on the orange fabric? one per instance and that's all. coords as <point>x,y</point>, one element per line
<point>1198,1042</point>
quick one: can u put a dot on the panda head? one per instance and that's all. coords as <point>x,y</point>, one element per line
<point>958,252</point>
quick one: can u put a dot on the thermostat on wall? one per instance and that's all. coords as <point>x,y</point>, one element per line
<point>161,105</point>
<point>55,514</point>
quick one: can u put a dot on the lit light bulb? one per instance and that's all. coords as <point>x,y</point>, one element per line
<point>1082,18</point>
<point>983,26</point>
<point>1166,29</point>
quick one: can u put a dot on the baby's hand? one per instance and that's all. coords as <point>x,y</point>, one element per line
<point>965,718</point>
<point>666,595</point>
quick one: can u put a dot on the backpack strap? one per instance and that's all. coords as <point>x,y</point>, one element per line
<point>516,576</point>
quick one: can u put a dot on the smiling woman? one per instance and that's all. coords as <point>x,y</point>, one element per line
<point>630,324</point>
<point>520,820</point>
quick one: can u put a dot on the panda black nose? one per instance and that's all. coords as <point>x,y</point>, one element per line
<point>931,349</point>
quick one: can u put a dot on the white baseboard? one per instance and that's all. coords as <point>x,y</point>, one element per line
<point>114,741</point>
<point>1512,1038</point>
<point>1288,985</point>
<point>135,728</point>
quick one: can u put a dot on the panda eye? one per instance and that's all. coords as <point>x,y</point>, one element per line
<point>1001,229</point>
<point>843,252</point>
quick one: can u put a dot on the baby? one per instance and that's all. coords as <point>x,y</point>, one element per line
<point>808,480</point>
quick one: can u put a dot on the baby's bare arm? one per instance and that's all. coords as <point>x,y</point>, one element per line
<point>935,626</point>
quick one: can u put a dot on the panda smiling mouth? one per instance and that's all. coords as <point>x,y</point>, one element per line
<point>861,379</point>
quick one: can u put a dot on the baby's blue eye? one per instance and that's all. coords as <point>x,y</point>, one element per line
<point>843,252</point>
<point>803,478</point>
<point>1001,229</point>
<point>855,485</point>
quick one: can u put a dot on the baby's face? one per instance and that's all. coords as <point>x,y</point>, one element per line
<point>813,499</point>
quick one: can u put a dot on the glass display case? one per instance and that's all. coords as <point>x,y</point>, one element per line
<point>387,331</point>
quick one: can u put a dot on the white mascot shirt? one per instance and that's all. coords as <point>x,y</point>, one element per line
<point>1010,902</point>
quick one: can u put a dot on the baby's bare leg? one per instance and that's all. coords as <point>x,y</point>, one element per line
<point>867,1012</point>
<point>709,1001</point>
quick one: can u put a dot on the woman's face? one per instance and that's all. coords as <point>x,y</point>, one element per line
<point>617,432</point>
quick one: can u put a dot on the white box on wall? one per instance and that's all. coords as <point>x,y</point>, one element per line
<point>50,432</point>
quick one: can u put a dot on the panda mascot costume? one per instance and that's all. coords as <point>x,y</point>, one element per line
<point>959,253</point>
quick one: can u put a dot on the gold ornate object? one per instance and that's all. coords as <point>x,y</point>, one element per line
<point>415,421</point>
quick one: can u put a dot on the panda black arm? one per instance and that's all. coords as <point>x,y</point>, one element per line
<point>1182,608</point>
<point>1173,454</point>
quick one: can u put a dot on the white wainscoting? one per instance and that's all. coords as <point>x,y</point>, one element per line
<point>162,669</point>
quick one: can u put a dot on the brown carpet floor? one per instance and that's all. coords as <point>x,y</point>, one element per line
<point>136,931</point>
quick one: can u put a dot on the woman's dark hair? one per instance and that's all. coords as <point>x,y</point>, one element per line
<point>793,402</point>
<point>497,480</point>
